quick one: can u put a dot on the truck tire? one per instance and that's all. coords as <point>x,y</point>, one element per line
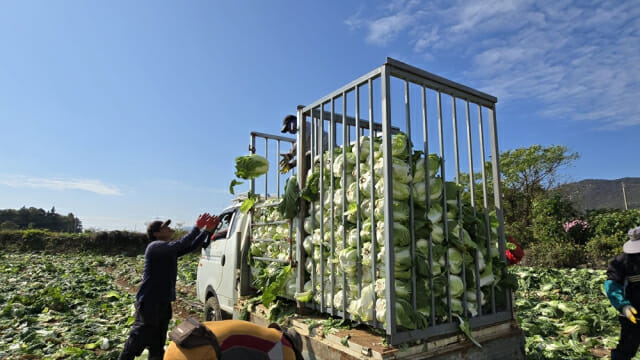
<point>212,310</point>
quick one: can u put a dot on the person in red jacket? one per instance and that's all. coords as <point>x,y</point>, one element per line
<point>514,255</point>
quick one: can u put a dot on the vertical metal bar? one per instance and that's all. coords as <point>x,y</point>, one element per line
<point>472,185</point>
<point>497,194</point>
<point>313,137</point>
<point>388,203</point>
<point>372,199</point>
<point>291,260</point>
<point>412,245</point>
<point>427,181</point>
<point>314,149</point>
<point>302,180</point>
<point>445,224</point>
<point>344,192</point>
<point>469,145</point>
<point>252,186</point>
<point>485,194</point>
<point>345,143</point>
<point>332,136</point>
<point>454,118</point>
<point>266,176</point>
<point>278,170</point>
<point>252,149</point>
<point>456,152</point>
<point>319,131</point>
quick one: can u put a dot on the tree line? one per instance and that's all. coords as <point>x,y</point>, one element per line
<point>545,219</point>
<point>34,218</point>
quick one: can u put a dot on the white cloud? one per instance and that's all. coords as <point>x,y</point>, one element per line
<point>578,61</point>
<point>59,184</point>
<point>383,29</point>
<point>480,13</point>
<point>426,39</point>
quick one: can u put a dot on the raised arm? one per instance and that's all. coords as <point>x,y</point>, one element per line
<point>198,236</point>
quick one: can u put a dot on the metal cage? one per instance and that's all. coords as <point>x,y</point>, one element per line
<point>397,97</point>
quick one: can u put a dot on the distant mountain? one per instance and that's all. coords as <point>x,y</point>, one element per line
<point>603,194</point>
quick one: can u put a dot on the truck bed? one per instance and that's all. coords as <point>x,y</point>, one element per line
<point>499,341</point>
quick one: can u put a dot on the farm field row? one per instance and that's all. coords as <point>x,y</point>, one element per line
<point>81,307</point>
<point>74,306</point>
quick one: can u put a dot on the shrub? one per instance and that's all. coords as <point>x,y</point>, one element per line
<point>519,231</point>
<point>555,254</point>
<point>549,215</point>
<point>517,215</point>
<point>613,223</point>
<point>130,243</point>
<point>34,239</point>
<point>9,225</point>
<point>11,240</point>
<point>577,231</point>
<point>600,249</point>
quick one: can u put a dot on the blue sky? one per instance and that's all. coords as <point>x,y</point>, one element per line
<point>122,112</point>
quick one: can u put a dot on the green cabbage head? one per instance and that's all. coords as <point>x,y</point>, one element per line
<point>251,166</point>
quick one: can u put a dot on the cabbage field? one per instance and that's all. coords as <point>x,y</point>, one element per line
<point>73,306</point>
<point>565,313</point>
<point>81,306</point>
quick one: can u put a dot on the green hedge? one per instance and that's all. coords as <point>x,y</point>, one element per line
<point>613,223</point>
<point>556,254</point>
<point>103,242</point>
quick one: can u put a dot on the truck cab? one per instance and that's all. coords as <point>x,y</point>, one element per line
<point>218,269</point>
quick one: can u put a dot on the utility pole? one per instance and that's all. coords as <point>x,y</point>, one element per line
<point>624,195</point>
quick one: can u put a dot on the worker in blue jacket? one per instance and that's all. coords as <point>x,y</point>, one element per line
<point>623,290</point>
<point>158,288</point>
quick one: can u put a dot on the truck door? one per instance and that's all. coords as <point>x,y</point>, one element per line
<point>219,258</point>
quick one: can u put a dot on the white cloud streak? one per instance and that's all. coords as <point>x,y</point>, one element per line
<point>385,29</point>
<point>579,61</point>
<point>59,184</point>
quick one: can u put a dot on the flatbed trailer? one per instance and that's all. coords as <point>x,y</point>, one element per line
<point>499,341</point>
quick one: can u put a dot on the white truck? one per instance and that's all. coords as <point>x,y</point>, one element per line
<point>380,184</point>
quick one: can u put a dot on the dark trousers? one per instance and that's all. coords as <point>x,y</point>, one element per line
<point>148,330</point>
<point>629,340</point>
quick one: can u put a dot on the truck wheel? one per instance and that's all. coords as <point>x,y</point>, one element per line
<point>212,310</point>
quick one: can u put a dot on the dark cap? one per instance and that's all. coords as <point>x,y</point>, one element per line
<point>155,226</point>
<point>289,124</point>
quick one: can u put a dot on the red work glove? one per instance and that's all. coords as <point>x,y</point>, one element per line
<point>211,224</point>
<point>201,222</point>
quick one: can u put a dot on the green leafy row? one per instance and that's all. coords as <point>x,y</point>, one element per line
<point>69,306</point>
<point>565,313</point>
